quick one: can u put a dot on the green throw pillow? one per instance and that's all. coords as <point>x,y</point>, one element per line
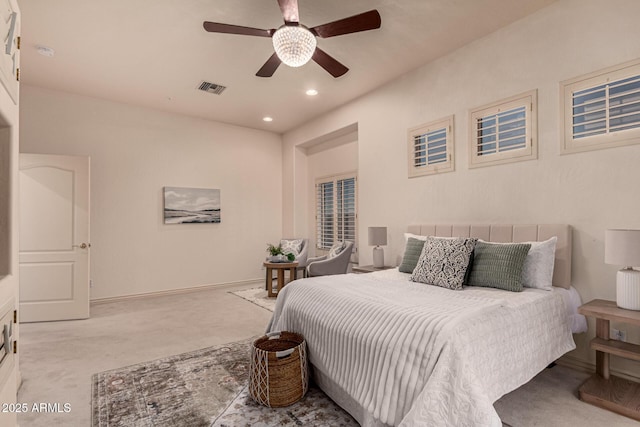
<point>498,265</point>
<point>411,255</point>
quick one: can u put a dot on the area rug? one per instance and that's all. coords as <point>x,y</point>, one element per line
<point>257,296</point>
<point>202,388</point>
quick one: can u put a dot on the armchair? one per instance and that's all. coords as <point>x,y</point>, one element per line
<point>325,266</point>
<point>302,258</point>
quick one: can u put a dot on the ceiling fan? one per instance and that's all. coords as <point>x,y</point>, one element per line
<point>295,44</point>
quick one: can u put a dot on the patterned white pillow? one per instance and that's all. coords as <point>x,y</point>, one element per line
<point>335,250</point>
<point>444,261</point>
<point>291,246</point>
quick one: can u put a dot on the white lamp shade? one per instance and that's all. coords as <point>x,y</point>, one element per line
<point>622,247</point>
<point>377,236</point>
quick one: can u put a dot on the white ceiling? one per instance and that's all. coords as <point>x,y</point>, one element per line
<point>155,53</point>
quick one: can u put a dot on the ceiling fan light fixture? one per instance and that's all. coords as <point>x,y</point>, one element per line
<point>294,44</point>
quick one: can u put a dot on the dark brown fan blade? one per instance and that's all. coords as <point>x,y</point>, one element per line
<point>330,64</point>
<point>362,22</point>
<point>214,27</point>
<point>269,67</point>
<point>289,10</point>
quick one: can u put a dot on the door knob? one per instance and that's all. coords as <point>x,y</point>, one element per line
<point>83,245</point>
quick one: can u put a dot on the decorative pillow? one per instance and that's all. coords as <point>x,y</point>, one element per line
<point>291,246</point>
<point>498,265</point>
<point>415,236</point>
<point>443,262</point>
<point>335,250</point>
<point>537,271</point>
<point>411,255</point>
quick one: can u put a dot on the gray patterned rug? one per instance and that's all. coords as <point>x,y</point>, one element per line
<point>202,388</point>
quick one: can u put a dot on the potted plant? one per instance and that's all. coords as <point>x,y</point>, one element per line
<point>275,252</point>
<point>277,255</point>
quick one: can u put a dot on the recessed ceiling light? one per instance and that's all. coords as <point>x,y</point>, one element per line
<point>45,51</point>
<point>267,119</point>
<point>312,92</point>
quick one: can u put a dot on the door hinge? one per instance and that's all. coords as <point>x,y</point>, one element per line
<point>15,316</point>
<point>18,74</point>
<point>15,347</point>
<point>18,42</point>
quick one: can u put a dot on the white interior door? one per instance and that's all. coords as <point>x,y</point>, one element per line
<point>54,237</point>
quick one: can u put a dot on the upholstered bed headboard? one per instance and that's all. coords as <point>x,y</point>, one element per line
<point>512,233</point>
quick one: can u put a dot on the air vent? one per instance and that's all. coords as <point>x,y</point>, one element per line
<point>212,88</point>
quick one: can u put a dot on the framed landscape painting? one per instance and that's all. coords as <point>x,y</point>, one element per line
<point>191,205</point>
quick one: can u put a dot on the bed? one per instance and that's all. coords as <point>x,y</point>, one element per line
<point>394,352</point>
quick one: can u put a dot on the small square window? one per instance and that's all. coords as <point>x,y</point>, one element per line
<point>504,131</point>
<point>601,109</point>
<point>430,148</point>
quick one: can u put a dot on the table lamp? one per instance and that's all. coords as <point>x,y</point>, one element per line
<point>377,237</point>
<point>622,247</point>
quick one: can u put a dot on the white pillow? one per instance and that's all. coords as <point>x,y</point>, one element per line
<point>336,250</point>
<point>537,270</point>
<point>415,236</point>
<point>291,246</point>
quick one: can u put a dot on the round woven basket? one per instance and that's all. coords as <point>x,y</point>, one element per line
<point>278,369</point>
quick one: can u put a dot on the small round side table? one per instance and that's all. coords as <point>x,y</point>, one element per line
<point>280,267</point>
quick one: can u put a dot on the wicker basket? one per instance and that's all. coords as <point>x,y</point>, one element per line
<point>279,374</point>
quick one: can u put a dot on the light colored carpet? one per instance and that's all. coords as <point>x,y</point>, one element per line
<point>58,359</point>
<point>551,399</point>
<point>258,296</point>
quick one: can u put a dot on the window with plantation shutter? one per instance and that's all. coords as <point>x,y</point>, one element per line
<point>325,230</point>
<point>504,131</point>
<point>602,109</point>
<point>336,210</point>
<point>430,148</point>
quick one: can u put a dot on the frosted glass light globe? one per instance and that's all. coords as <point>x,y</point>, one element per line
<point>294,45</point>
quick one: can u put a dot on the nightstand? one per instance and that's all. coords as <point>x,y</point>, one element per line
<point>369,268</point>
<point>602,389</point>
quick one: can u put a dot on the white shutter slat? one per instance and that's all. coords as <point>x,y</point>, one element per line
<point>606,108</point>
<point>431,148</point>
<point>335,211</point>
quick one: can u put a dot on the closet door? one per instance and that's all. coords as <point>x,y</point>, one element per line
<point>54,237</point>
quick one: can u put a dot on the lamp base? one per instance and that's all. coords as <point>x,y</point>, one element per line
<point>378,257</point>
<point>628,289</point>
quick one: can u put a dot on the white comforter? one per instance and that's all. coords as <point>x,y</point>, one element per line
<point>415,355</point>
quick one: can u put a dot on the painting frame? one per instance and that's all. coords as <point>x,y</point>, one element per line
<point>189,205</point>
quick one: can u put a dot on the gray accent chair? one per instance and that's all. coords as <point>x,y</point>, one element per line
<point>303,256</point>
<point>324,266</point>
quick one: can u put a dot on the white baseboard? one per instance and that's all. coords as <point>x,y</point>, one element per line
<point>107,300</point>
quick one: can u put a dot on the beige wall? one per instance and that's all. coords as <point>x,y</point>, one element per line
<point>591,191</point>
<point>135,152</point>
